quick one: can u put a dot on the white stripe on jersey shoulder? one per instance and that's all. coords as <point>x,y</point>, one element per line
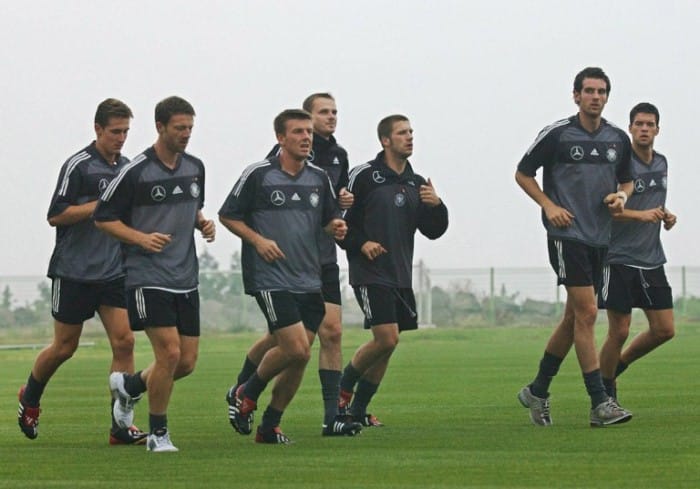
<point>547,130</point>
<point>109,191</point>
<point>325,173</point>
<point>70,166</point>
<point>246,173</point>
<point>356,171</point>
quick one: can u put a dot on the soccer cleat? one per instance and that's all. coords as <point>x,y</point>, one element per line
<point>240,410</point>
<point>127,436</point>
<point>272,436</point>
<point>370,420</point>
<point>608,413</point>
<point>340,427</point>
<point>123,409</point>
<point>344,402</point>
<point>539,406</point>
<point>160,443</point>
<point>28,417</point>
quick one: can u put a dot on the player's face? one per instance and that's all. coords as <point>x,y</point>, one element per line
<point>592,98</point>
<point>297,138</point>
<point>644,129</point>
<point>176,133</point>
<point>400,143</point>
<point>111,138</point>
<point>324,115</point>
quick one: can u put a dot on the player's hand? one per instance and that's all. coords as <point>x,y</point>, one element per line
<point>268,250</point>
<point>155,242</point>
<point>337,228</point>
<point>669,220</point>
<point>558,216</point>
<point>372,249</point>
<point>615,203</point>
<point>345,198</point>
<point>652,215</point>
<point>208,229</point>
<point>428,195</point>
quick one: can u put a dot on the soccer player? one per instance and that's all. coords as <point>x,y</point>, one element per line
<point>86,268</point>
<point>634,275</point>
<point>586,165</point>
<point>330,156</point>
<point>153,207</point>
<point>277,208</point>
<point>391,203</point>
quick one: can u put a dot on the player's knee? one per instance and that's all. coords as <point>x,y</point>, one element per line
<point>330,334</point>
<point>664,333</point>
<point>64,350</point>
<point>388,343</point>
<point>300,354</point>
<point>123,346</point>
<point>185,367</point>
<point>587,314</point>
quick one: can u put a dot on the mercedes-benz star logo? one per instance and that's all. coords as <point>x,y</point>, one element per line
<point>158,193</point>
<point>576,153</point>
<point>277,198</point>
<point>102,184</point>
<point>639,186</point>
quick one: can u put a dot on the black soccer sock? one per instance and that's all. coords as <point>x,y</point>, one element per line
<point>349,378</point>
<point>610,387</point>
<point>254,387</point>
<point>549,366</point>
<point>595,387</point>
<point>363,396</point>
<point>247,370</point>
<point>271,418</point>
<point>134,384</point>
<point>621,367</point>
<point>158,423</point>
<point>330,389</point>
<point>33,392</point>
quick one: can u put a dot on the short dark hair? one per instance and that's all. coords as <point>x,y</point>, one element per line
<point>644,108</point>
<point>280,123</point>
<point>109,108</point>
<point>590,72</point>
<point>171,106</point>
<point>308,104</point>
<point>386,125</point>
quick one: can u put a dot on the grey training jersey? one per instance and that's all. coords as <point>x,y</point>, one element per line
<point>579,169</point>
<point>82,253</point>
<point>289,210</point>
<point>150,197</point>
<point>636,243</point>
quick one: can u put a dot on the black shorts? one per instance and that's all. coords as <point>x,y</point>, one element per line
<point>626,287</point>
<point>576,264</point>
<point>387,305</point>
<point>75,302</point>
<point>155,308</point>
<point>330,283</point>
<point>283,308</point>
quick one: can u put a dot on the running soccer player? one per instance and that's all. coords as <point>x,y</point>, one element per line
<point>277,208</point>
<point>634,275</point>
<point>86,268</point>
<point>333,159</point>
<point>391,204</point>
<point>153,207</point>
<point>586,165</point>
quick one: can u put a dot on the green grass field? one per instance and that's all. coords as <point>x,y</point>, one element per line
<point>448,401</point>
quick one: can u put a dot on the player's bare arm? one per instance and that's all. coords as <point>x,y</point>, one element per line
<point>206,227</point>
<point>558,216</point>
<point>266,248</point>
<point>428,195</point>
<point>153,242</point>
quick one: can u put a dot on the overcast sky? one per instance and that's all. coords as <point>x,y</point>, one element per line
<point>477,79</point>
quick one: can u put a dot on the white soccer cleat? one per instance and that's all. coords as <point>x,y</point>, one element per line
<point>160,443</point>
<point>123,409</point>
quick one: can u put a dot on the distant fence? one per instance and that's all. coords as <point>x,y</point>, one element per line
<point>444,297</point>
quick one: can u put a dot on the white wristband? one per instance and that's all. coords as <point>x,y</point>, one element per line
<point>623,195</point>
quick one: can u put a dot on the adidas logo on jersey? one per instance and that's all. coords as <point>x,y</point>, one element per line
<point>652,183</point>
<point>595,152</point>
<point>336,161</point>
<point>296,196</point>
<point>177,190</point>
